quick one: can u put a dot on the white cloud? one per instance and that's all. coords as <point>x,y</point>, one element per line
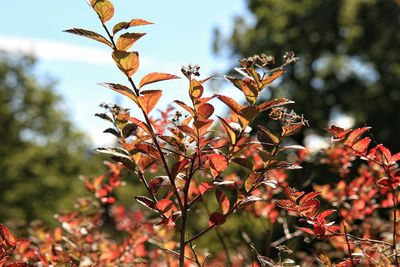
<point>55,50</point>
<point>63,51</point>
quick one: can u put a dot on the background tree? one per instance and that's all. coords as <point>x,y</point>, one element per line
<point>349,57</point>
<point>41,154</point>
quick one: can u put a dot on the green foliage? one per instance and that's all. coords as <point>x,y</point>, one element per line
<point>349,60</point>
<point>41,153</point>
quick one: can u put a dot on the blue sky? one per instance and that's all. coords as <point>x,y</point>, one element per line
<point>182,35</point>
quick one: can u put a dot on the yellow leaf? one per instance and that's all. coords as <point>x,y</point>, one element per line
<point>127,62</point>
<point>103,8</point>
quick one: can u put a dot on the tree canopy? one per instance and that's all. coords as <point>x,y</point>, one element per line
<point>349,58</point>
<point>41,153</point>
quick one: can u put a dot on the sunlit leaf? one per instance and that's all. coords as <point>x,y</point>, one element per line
<point>125,25</point>
<point>272,137</point>
<point>231,103</point>
<point>269,79</point>
<point>196,89</point>
<point>223,201</point>
<point>205,111</point>
<point>127,62</point>
<point>103,8</point>
<point>219,162</point>
<point>229,130</point>
<point>90,34</point>
<point>148,99</point>
<point>355,135</point>
<point>156,77</point>
<point>126,40</point>
<point>122,89</point>
<point>337,132</point>
<point>247,86</point>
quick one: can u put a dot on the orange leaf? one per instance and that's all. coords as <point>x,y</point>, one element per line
<point>126,40</point>
<point>125,25</point>
<point>247,86</point>
<point>149,99</point>
<point>91,35</point>
<point>156,77</point>
<point>219,162</point>
<point>231,103</point>
<point>127,62</point>
<point>122,89</point>
<point>223,201</point>
<point>269,79</point>
<point>103,8</point>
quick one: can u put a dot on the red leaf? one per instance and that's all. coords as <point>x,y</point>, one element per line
<point>156,77</point>
<point>216,218</point>
<point>205,111</point>
<point>310,208</point>
<point>387,155</point>
<point>219,162</point>
<point>337,131</point>
<point>223,201</point>
<point>149,99</point>
<point>187,130</point>
<point>395,157</point>
<point>145,201</point>
<point>384,182</point>
<point>7,236</point>
<point>355,135</point>
<point>362,145</point>
<point>321,217</point>
<point>292,193</point>
<point>308,197</point>
<point>164,205</point>
<point>204,187</point>
<point>178,167</point>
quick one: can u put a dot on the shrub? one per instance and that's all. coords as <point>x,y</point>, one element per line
<point>189,163</point>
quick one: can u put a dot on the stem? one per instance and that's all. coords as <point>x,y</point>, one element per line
<point>394,245</point>
<point>346,237</point>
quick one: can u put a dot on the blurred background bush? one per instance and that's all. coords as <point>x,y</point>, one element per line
<point>349,63</point>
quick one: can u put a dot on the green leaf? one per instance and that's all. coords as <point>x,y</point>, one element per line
<point>90,34</point>
<point>126,40</point>
<point>127,62</point>
<point>125,25</point>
